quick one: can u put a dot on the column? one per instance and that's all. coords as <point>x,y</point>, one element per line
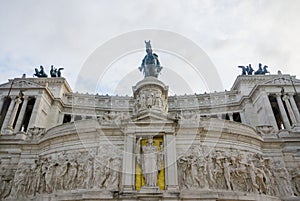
<point>61,118</point>
<point>290,110</point>
<point>231,116</point>
<point>284,116</point>
<point>35,109</point>
<point>170,163</point>
<point>8,114</point>
<point>72,117</point>
<point>1,103</point>
<point>14,113</point>
<point>295,108</point>
<point>269,111</point>
<point>128,163</point>
<point>21,114</point>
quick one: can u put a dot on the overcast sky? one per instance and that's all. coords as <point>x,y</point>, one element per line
<point>67,32</point>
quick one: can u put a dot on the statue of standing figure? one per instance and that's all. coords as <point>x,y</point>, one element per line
<point>150,161</point>
<point>150,64</point>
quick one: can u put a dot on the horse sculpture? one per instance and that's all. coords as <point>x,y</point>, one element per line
<point>150,64</point>
<point>249,70</point>
<point>40,73</point>
<point>54,72</point>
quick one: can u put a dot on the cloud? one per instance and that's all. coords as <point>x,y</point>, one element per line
<point>65,33</point>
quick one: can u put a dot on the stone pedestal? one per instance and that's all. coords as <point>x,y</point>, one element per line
<point>151,94</point>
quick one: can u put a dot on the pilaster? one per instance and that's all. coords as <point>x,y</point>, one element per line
<point>128,163</point>
<point>171,163</point>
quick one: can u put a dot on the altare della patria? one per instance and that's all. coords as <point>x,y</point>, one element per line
<point>241,144</point>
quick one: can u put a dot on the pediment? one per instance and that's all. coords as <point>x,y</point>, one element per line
<point>20,84</point>
<point>281,81</point>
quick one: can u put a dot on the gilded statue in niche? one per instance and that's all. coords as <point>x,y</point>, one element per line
<point>149,163</point>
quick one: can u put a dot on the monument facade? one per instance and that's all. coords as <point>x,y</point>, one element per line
<point>241,144</point>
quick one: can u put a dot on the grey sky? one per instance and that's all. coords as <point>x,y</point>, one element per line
<point>231,32</point>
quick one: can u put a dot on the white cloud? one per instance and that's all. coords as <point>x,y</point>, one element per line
<point>65,33</point>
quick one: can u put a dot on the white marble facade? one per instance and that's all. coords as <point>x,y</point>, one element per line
<point>241,144</point>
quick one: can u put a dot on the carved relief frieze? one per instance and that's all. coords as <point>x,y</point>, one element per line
<point>235,170</point>
<point>95,169</point>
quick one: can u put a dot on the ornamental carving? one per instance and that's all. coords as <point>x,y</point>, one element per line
<point>235,171</point>
<point>62,172</point>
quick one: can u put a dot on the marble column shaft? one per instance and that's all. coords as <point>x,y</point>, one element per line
<point>8,114</point>
<point>1,103</point>
<point>14,113</point>
<point>21,114</point>
<point>295,108</point>
<point>269,111</point>
<point>289,109</point>
<point>284,116</point>
<point>231,116</point>
<point>35,109</point>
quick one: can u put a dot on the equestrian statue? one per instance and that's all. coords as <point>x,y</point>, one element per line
<point>150,64</point>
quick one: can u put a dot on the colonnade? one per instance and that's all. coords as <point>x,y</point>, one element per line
<point>15,115</point>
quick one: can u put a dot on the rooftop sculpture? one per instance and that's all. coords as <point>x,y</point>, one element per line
<point>150,64</point>
<point>248,70</point>
<point>54,72</point>
<point>40,73</point>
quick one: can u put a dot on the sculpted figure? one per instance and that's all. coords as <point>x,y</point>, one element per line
<point>182,168</point>
<point>202,174</point>
<point>227,171</point>
<point>193,179</point>
<point>158,101</point>
<point>7,177</point>
<point>264,71</point>
<point>283,181</point>
<point>35,177</point>
<point>137,103</point>
<point>40,73</point>
<point>150,162</point>
<point>244,70</point>
<point>88,167</point>
<point>60,173</point>
<point>239,173</point>
<point>251,170</point>
<point>114,173</point>
<point>150,100</point>
<point>20,182</point>
<point>71,174</point>
<point>295,176</point>
<point>49,178</point>
<point>53,71</point>
<point>150,64</point>
<point>210,175</point>
<point>143,100</point>
<point>270,182</point>
<point>80,174</point>
<point>250,69</point>
<point>260,70</point>
<point>101,172</point>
